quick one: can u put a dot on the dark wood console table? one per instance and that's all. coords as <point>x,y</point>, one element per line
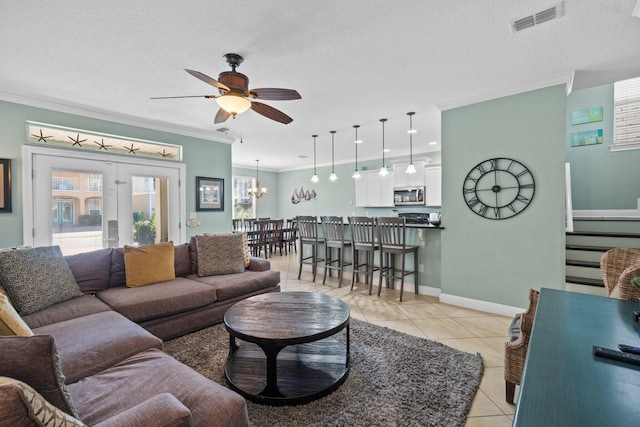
<point>289,355</point>
<point>563,383</point>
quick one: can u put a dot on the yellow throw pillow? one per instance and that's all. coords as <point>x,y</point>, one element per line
<point>10,322</point>
<point>146,265</point>
<point>37,408</point>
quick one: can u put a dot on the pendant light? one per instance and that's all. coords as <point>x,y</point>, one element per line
<point>383,169</point>
<point>411,131</point>
<point>258,190</point>
<point>356,173</point>
<point>314,178</point>
<point>333,175</point>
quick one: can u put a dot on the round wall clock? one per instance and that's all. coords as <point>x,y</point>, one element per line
<point>498,188</point>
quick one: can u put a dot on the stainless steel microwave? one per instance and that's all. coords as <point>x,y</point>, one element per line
<point>403,196</point>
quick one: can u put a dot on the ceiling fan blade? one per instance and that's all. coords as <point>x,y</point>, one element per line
<point>221,116</point>
<point>186,96</point>
<point>275,94</point>
<point>208,80</point>
<point>270,112</point>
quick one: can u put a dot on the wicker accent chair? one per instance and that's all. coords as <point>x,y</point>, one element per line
<point>515,351</point>
<point>618,267</point>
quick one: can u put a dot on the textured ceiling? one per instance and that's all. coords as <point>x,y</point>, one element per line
<point>353,62</point>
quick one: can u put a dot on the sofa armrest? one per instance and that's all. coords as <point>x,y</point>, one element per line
<point>162,410</point>
<point>259,264</point>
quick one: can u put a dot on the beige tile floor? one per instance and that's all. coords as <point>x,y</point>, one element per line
<point>426,317</point>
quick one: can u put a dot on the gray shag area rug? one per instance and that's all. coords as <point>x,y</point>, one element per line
<point>395,380</point>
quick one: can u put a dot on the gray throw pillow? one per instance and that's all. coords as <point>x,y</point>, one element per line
<point>37,278</point>
<point>219,254</point>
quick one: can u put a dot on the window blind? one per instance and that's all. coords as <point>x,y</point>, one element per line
<point>626,116</point>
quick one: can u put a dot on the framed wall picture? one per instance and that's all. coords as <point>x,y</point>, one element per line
<point>209,194</point>
<point>5,185</point>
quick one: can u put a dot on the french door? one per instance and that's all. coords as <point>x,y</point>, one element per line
<point>80,204</point>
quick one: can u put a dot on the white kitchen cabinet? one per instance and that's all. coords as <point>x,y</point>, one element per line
<point>433,185</point>
<point>373,190</point>
<point>403,179</point>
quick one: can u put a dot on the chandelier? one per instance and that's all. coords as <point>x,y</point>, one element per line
<point>257,191</point>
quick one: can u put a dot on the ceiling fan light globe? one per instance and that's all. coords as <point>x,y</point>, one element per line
<point>410,168</point>
<point>233,104</point>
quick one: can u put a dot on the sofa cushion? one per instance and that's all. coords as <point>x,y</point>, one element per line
<point>220,254</point>
<point>181,260</point>
<point>234,285</point>
<point>92,343</point>
<point>10,322</point>
<point>160,300</point>
<point>70,309</point>
<point>146,374</point>
<point>92,270</point>
<point>118,277</point>
<point>22,405</point>
<point>146,265</point>
<point>36,278</point>
<point>35,361</point>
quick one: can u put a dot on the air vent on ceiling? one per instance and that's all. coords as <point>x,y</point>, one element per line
<point>223,130</point>
<point>537,18</point>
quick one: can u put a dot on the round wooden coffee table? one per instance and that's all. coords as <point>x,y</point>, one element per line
<point>288,355</point>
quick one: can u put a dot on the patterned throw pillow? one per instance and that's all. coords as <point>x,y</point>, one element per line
<point>245,247</point>
<point>16,395</point>
<point>220,254</point>
<point>10,322</point>
<point>146,265</point>
<point>37,278</point>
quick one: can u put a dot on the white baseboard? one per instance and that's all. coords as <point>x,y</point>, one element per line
<point>490,307</point>
<point>428,290</point>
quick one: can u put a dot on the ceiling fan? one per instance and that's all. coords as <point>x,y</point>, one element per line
<point>236,97</point>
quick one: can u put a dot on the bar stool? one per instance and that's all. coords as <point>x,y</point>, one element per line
<point>308,233</point>
<point>333,229</point>
<point>392,237</point>
<point>363,241</point>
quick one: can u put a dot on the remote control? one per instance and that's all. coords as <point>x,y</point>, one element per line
<point>629,348</point>
<point>620,356</point>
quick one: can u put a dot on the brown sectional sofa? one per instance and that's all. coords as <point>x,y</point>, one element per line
<point>109,342</point>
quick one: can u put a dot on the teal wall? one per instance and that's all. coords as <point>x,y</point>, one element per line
<point>600,179</point>
<point>203,158</point>
<point>498,261</point>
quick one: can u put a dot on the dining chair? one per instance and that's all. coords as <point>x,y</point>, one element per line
<point>618,267</point>
<point>392,238</point>
<point>515,351</point>
<point>237,224</point>
<point>274,238</point>
<point>260,242</point>
<point>335,246</point>
<point>363,242</point>
<point>308,235</point>
<point>290,235</point>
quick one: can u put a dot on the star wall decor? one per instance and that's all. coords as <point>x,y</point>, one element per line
<point>76,138</point>
<point>102,145</point>
<point>41,137</point>
<point>131,149</point>
<point>77,141</point>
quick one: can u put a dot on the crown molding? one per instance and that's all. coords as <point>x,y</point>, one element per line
<point>111,116</point>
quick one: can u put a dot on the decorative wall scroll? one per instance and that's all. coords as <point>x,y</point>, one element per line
<point>303,195</point>
<point>588,115</point>
<point>78,139</point>
<point>587,137</point>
